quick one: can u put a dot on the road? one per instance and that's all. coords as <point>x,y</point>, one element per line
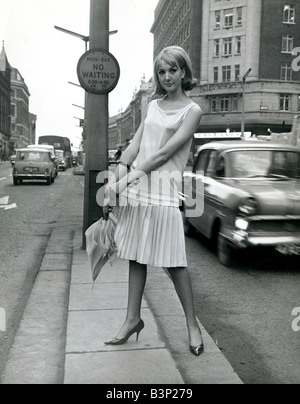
<point>24,233</point>
<point>247,309</point>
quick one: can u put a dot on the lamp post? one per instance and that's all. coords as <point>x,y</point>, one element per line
<point>84,38</point>
<point>243,101</point>
<point>97,121</point>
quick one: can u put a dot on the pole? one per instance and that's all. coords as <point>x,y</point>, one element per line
<point>243,110</point>
<point>97,120</point>
<point>243,103</point>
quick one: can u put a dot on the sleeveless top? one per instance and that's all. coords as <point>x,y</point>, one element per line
<point>161,186</point>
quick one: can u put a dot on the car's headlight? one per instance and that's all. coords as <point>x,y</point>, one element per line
<point>249,207</point>
<point>242,224</point>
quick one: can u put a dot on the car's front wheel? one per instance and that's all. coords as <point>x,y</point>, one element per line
<point>225,251</point>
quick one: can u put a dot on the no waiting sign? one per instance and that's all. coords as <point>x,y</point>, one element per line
<point>98,71</point>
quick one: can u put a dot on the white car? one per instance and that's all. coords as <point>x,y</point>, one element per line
<point>51,150</point>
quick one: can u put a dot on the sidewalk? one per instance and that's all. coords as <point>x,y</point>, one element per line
<point>159,357</point>
<point>60,338</point>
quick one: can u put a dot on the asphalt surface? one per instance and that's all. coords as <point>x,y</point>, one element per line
<point>246,309</point>
<point>24,234</point>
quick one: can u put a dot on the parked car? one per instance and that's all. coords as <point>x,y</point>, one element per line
<point>112,157</point>
<point>53,155</point>
<point>33,164</point>
<point>62,163</point>
<point>251,197</point>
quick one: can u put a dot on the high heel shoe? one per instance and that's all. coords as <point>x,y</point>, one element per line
<point>120,341</point>
<point>197,350</point>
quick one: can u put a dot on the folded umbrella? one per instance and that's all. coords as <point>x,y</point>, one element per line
<point>100,244</point>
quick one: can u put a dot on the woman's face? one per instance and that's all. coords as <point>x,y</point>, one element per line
<point>170,77</point>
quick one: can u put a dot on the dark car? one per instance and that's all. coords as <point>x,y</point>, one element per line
<point>248,194</point>
<point>34,164</point>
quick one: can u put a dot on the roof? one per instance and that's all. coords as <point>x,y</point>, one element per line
<point>30,150</point>
<point>4,65</point>
<point>257,145</point>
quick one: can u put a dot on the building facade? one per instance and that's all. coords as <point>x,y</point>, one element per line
<point>5,91</point>
<point>231,37</point>
<point>23,123</point>
<point>123,127</point>
<point>178,22</point>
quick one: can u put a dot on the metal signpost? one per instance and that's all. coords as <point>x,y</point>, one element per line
<point>98,73</point>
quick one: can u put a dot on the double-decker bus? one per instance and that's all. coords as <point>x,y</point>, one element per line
<point>59,143</point>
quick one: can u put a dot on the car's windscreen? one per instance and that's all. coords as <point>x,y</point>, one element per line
<point>34,156</point>
<point>263,163</point>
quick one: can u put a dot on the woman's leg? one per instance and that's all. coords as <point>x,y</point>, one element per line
<point>183,286</point>
<point>136,286</point>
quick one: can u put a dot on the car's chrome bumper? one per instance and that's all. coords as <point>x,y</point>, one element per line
<point>264,233</point>
<point>31,176</point>
<point>243,240</point>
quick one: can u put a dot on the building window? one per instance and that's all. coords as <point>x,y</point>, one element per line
<point>13,110</point>
<point>228,18</point>
<point>213,104</point>
<point>286,72</point>
<point>227,47</point>
<point>237,72</point>
<point>224,104</point>
<point>226,74</point>
<point>289,13</point>
<point>238,45</point>
<point>284,102</point>
<point>216,74</point>
<point>235,103</point>
<point>218,19</point>
<point>287,43</point>
<point>239,16</point>
<point>217,48</point>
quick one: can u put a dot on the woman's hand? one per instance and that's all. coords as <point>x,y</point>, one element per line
<point>106,203</point>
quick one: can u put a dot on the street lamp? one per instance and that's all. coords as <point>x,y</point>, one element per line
<point>74,84</point>
<point>78,106</point>
<point>84,38</point>
<point>243,101</point>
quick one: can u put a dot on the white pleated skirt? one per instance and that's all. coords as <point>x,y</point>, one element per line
<point>151,235</point>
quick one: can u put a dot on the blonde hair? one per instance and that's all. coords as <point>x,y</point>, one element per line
<point>175,56</point>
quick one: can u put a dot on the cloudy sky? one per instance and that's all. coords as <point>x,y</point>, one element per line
<point>47,59</point>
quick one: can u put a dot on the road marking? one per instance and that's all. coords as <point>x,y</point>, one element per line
<point>8,207</point>
<point>2,179</point>
<point>4,204</point>
<point>4,201</point>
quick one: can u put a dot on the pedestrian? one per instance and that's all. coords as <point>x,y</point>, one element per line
<point>118,154</point>
<point>150,229</point>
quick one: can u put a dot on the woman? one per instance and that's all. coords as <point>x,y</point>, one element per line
<point>150,229</point>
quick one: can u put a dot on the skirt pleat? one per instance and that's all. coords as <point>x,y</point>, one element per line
<point>151,235</point>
